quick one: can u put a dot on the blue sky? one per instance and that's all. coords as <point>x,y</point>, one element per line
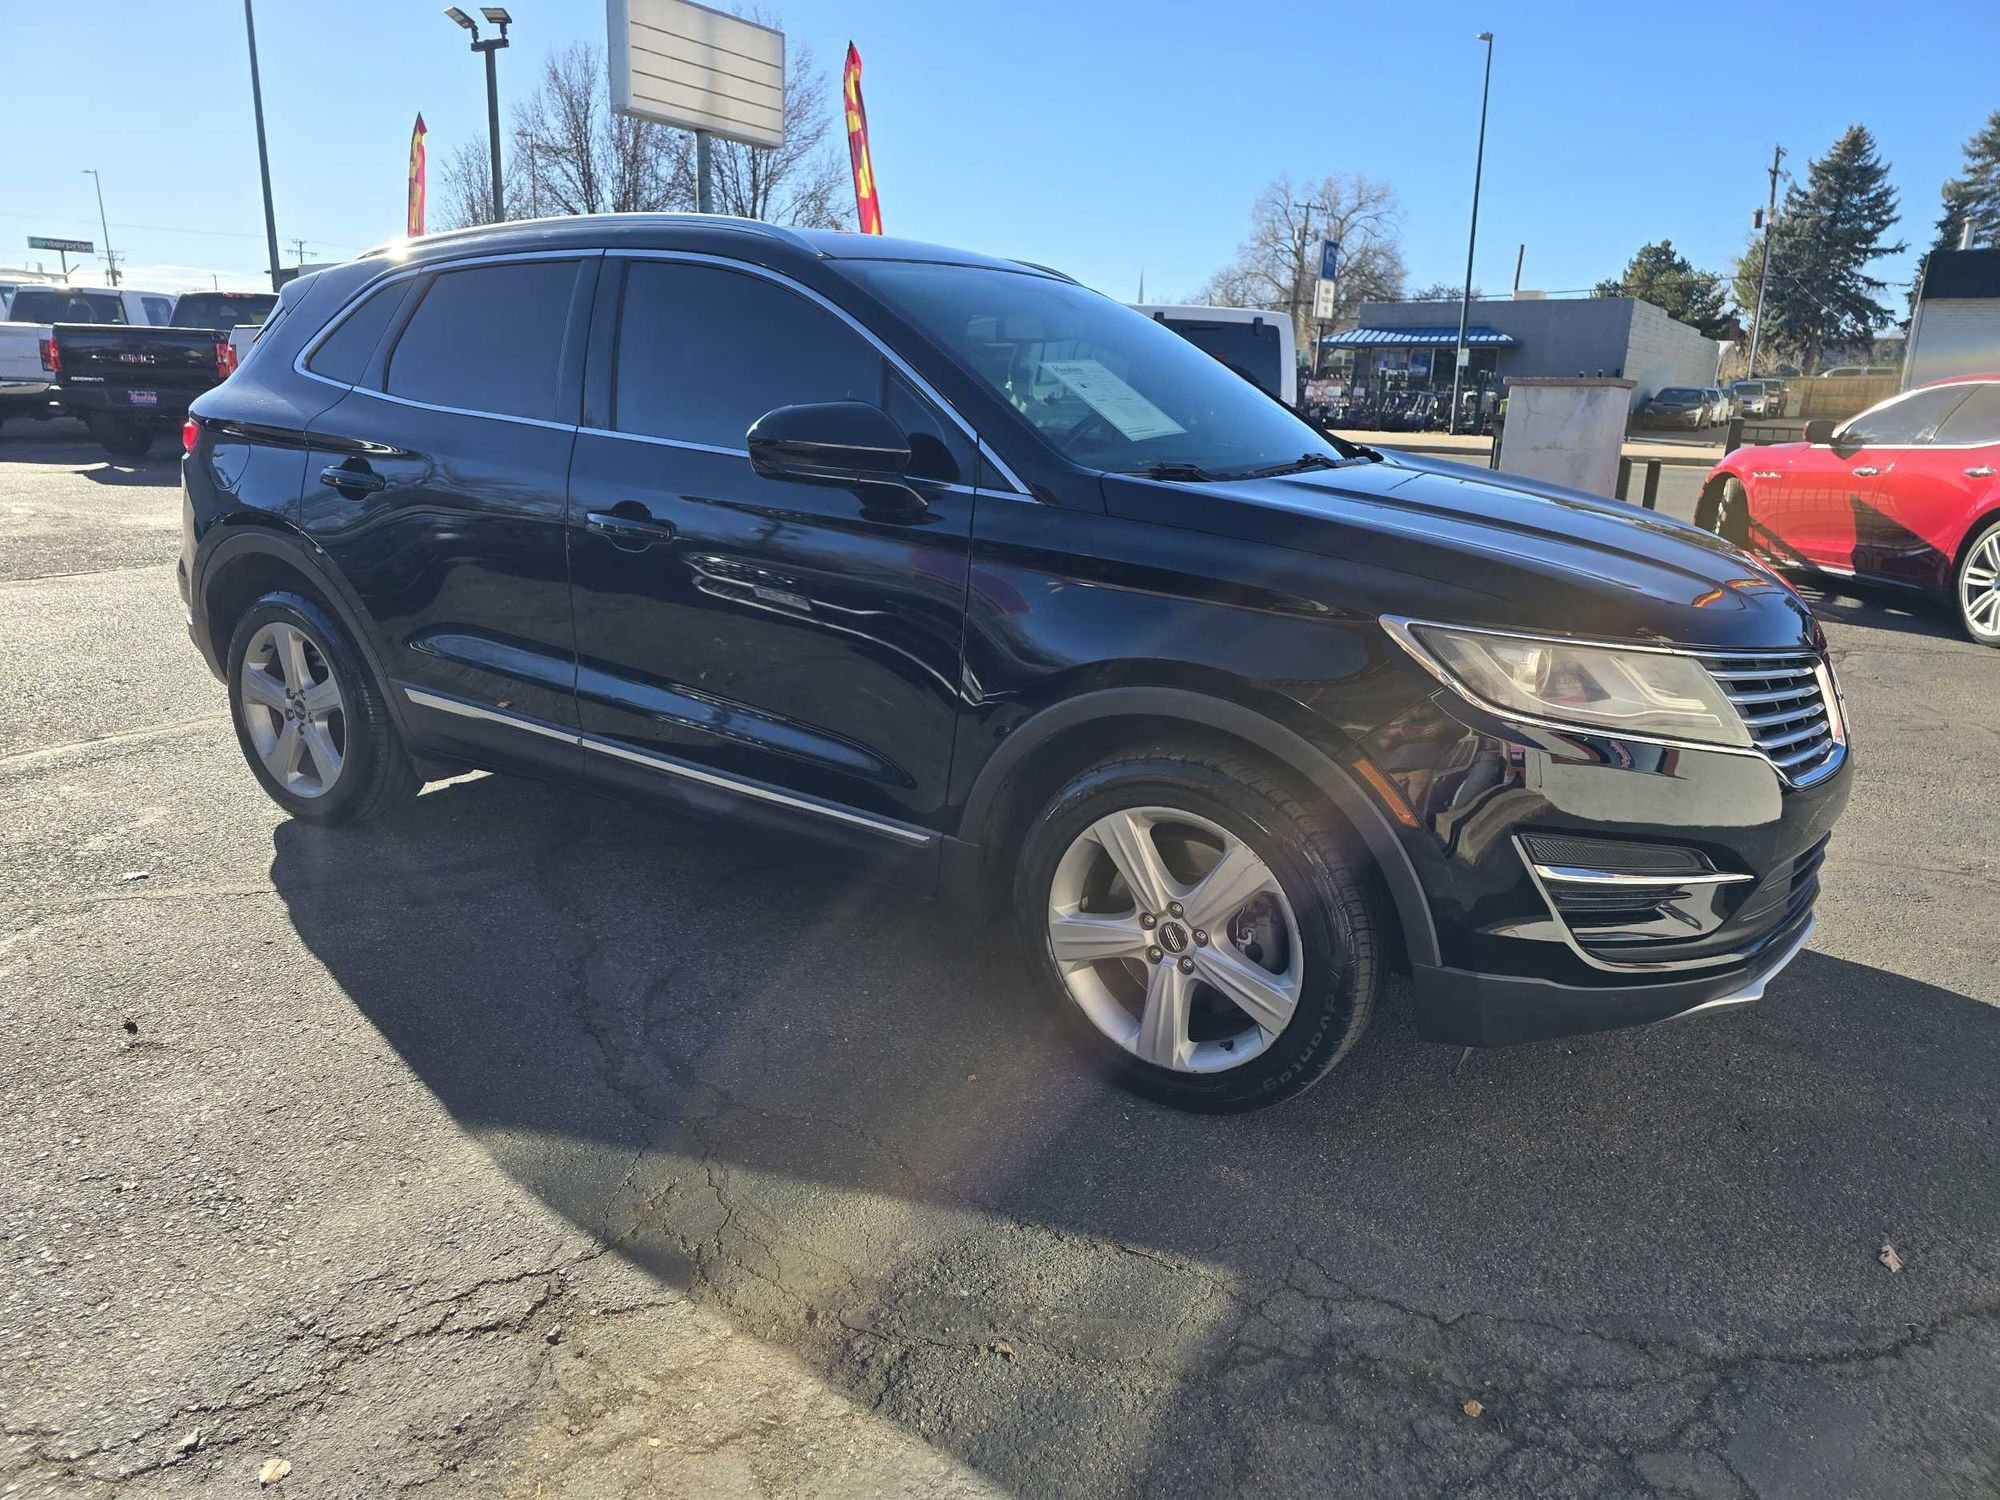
<point>1103,138</point>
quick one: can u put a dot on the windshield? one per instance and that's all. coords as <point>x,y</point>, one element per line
<point>66,305</point>
<point>221,311</point>
<point>1106,387</point>
<point>1678,393</point>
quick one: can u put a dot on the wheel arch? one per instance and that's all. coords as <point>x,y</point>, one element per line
<point>253,561</point>
<point>1054,744</point>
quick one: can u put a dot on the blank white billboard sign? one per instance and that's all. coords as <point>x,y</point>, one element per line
<point>685,65</point>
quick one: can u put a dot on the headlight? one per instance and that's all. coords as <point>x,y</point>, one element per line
<point>1656,694</point>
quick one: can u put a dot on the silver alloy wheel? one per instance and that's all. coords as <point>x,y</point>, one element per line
<point>1175,939</point>
<point>1979,587</point>
<point>292,709</point>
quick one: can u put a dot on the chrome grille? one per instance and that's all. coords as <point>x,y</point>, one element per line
<point>1783,704</point>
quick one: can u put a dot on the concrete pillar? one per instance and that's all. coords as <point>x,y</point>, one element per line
<point>1567,431</point>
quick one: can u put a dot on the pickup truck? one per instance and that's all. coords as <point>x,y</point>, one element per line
<point>27,386</point>
<point>131,384</point>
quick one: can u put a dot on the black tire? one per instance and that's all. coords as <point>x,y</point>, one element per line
<point>377,773</point>
<point>1328,882</point>
<point>119,436</point>
<point>1969,584</point>
<point>1724,509</point>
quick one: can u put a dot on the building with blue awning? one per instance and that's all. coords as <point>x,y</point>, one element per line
<point>1412,345</point>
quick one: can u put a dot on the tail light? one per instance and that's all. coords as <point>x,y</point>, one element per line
<point>225,359</point>
<point>190,433</point>
<point>51,356</point>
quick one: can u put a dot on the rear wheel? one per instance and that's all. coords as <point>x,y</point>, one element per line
<point>1978,587</point>
<point>1205,933</point>
<point>119,436</point>
<point>310,719</point>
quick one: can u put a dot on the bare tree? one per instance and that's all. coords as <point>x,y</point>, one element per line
<point>1277,266</point>
<point>570,153</point>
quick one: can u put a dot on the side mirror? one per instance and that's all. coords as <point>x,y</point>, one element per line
<point>834,441</point>
<point>1819,431</point>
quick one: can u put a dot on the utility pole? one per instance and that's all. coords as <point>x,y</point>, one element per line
<point>110,259</point>
<point>1764,276</point>
<point>704,173</point>
<point>302,251</point>
<point>1471,240</point>
<point>263,152</point>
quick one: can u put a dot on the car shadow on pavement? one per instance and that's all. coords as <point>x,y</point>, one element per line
<point>825,1109</point>
<point>1880,607</point>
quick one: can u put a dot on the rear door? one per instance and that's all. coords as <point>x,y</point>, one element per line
<point>793,646</point>
<point>438,488</point>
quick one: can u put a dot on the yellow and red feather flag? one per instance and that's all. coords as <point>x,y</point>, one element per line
<point>867,202</point>
<point>415,226</point>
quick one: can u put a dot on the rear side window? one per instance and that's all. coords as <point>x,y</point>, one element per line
<point>345,354</point>
<point>1977,421</point>
<point>704,352</point>
<point>68,305</point>
<point>488,339</point>
<point>1911,419</point>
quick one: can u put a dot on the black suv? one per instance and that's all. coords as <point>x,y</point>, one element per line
<point>1025,600</point>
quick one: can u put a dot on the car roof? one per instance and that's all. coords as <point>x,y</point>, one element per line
<point>664,231</point>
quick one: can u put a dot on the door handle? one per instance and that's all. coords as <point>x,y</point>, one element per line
<point>1979,471</point>
<point>1866,471</point>
<point>362,480</point>
<point>629,526</point>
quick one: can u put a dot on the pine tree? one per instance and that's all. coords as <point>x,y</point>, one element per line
<point>1828,233</point>
<point>1977,190</point>
<point>1661,275</point>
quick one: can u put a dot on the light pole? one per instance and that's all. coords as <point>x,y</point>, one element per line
<point>495,16</point>
<point>1472,238</point>
<point>110,260</point>
<point>263,154</point>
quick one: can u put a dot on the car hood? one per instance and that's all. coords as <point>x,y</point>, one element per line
<point>1427,537</point>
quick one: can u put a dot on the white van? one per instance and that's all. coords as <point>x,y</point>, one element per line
<point>1257,345</point>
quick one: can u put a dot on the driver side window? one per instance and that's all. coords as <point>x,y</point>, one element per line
<point>1906,422</point>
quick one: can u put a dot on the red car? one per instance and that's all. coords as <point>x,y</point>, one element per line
<point>1905,493</point>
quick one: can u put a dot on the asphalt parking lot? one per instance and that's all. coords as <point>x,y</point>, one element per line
<point>531,1146</point>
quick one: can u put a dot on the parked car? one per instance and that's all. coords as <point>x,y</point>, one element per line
<point>1677,406</point>
<point>1256,344</point>
<point>1904,494</point>
<point>129,385</point>
<point>219,312</point>
<point>1021,598</point>
<point>1860,372</point>
<point>27,385</point>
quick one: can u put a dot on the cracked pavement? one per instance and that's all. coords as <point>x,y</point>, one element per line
<point>532,1145</point>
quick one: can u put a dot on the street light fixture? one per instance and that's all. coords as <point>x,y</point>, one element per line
<point>498,17</point>
<point>1471,239</point>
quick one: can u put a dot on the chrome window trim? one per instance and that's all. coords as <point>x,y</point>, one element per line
<point>915,837</point>
<point>903,367</point>
<point>1399,628</point>
<point>369,288</point>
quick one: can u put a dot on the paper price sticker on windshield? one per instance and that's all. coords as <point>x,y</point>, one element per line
<point>1132,414</point>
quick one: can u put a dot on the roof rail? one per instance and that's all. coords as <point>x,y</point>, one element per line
<point>477,231</point>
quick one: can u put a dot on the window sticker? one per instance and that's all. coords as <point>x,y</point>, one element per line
<point>1132,414</point>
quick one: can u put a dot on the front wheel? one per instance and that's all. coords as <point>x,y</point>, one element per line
<point>1979,587</point>
<point>1209,936</point>
<point>119,436</point>
<point>1724,509</point>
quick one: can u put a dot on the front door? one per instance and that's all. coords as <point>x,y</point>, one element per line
<point>772,645</point>
<point>1938,487</point>
<point>438,486</point>
<point>1872,454</point>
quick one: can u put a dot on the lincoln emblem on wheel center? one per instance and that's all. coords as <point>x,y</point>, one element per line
<point>1020,599</point>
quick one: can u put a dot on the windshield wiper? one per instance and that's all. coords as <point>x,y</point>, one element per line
<point>1299,465</point>
<point>1172,471</point>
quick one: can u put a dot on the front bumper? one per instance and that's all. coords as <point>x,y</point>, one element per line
<point>1470,1009</point>
<point>1580,883</point>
